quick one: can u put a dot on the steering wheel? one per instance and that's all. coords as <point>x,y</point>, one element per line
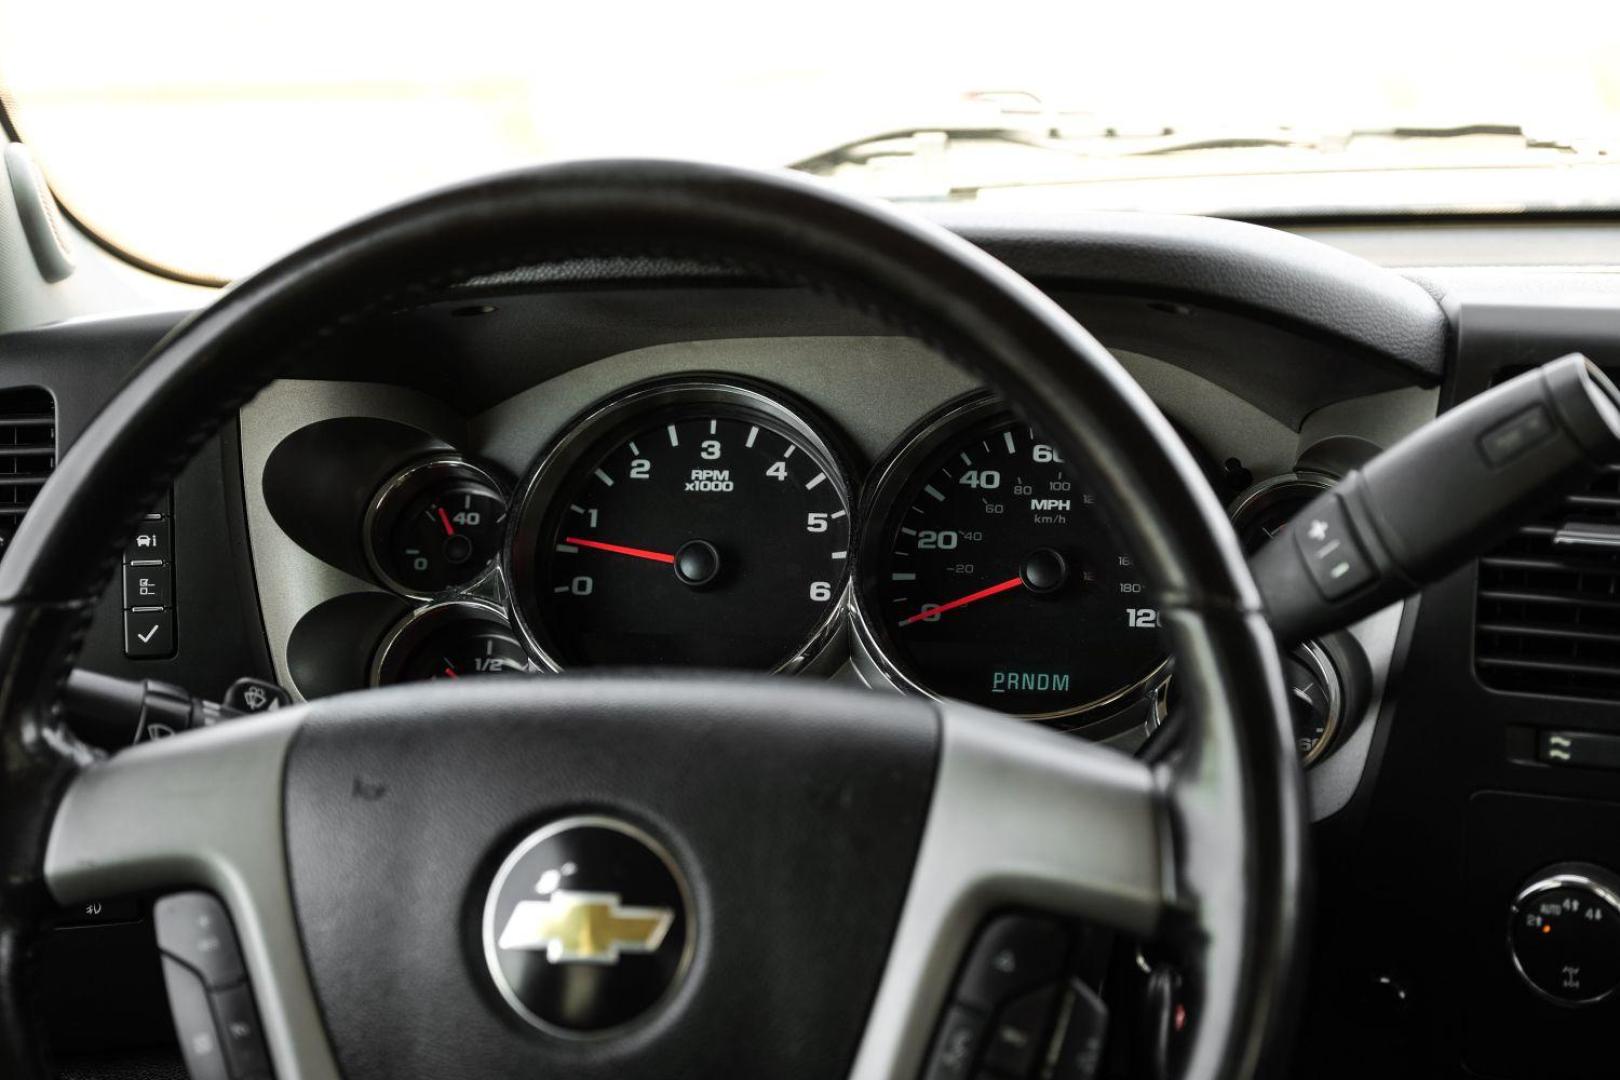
<point>819,859</point>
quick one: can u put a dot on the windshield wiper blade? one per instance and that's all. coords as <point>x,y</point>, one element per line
<point>891,144</point>
<point>1466,131</point>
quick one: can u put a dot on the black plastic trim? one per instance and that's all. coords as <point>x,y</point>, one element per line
<point>1286,278</point>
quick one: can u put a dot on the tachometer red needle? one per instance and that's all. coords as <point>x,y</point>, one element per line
<point>444,517</point>
<point>620,549</point>
<point>964,601</point>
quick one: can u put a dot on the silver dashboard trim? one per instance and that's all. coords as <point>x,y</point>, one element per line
<point>290,581</point>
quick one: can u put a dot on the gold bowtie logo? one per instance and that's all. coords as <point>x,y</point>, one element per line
<point>585,927</point>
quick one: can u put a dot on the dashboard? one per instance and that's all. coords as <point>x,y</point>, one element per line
<point>632,465</point>
<point>837,507</point>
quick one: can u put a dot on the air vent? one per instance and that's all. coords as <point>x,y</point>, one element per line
<point>27,453</point>
<point>1548,617</point>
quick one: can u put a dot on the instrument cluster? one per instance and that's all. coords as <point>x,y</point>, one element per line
<point>709,522</point>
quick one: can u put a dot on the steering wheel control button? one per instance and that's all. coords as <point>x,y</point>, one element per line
<point>1333,556</point>
<point>194,1023</point>
<point>1013,954</point>
<point>587,926</point>
<point>239,1032</point>
<point>1082,1034</point>
<point>1565,934</point>
<point>1018,1036</point>
<point>193,928</point>
<point>957,1045</point>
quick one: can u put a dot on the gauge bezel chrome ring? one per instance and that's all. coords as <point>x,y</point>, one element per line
<point>415,625</point>
<point>404,483</point>
<point>1562,877</point>
<point>587,432</point>
<point>1314,657</point>
<point>1273,489</point>
<point>872,658</point>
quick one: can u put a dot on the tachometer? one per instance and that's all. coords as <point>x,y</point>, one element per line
<point>697,524</point>
<point>989,574</point>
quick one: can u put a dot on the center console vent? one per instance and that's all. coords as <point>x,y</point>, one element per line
<point>1548,611</point>
<point>27,453</point>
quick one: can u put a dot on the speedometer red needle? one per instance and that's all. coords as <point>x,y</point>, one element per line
<point>964,601</point>
<point>620,549</point>
<point>444,517</point>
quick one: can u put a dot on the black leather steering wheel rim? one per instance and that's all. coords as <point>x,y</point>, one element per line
<point>1235,809</point>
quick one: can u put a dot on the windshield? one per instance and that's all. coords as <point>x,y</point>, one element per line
<point>211,136</point>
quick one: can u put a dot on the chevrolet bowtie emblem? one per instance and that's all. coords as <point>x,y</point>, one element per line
<point>585,927</point>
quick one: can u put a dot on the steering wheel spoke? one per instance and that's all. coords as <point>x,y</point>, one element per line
<point>1020,817</point>
<point>203,811</point>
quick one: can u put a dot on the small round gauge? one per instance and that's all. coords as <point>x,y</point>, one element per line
<point>697,524</point>
<point>990,573</point>
<point>455,640</point>
<point>1314,699</point>
<point>437,525</point>
<point>1263,512</point>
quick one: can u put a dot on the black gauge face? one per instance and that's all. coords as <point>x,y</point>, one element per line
<point>990,575</point>
<point>704,534</point>
<point>463,650</point>
<point>1266,514</point>
<point>436,527</point>
<point>1313,702</point>
<point>456,640</point>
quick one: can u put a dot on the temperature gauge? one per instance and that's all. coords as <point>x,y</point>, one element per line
<point>436,526</point>
<point>1262,513</point>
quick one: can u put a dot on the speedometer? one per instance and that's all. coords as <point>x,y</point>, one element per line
<point>697,524</point>
<point>990,574</point>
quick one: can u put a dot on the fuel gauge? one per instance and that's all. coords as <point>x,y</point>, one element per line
<point>458,640</point>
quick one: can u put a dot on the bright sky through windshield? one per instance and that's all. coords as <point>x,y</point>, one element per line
<point>212,136</point>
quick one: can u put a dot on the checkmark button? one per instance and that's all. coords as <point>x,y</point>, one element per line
<point>148,633</point>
